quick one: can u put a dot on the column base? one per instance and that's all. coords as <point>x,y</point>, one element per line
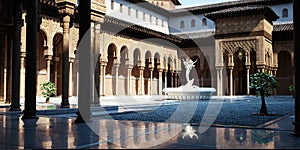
<point>64,105</point>
<point>15,108</point>
<point>80,119</point>
<point>29,114</point>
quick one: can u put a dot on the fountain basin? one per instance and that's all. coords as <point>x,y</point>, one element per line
<point>189,93</point>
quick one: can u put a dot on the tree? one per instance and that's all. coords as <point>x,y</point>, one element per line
<point>263,84</point>
<point>48,89</point>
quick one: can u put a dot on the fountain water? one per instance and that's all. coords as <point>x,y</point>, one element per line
<point>189,91</point>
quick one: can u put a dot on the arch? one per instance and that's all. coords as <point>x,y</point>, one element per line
<point>169,68</point>
<point>284,73</point>
<point>135,70</point>
<point>147,70</point>
<point>42,46</point>
<point>56,64</point>
<point>193,23</point>
<point>123,60</point>
<point>111,55</point>
<point>239,72</point>
<point>181,24</point>
<point>285,13</point>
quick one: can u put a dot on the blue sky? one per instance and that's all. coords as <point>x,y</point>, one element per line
<point>185,3</point>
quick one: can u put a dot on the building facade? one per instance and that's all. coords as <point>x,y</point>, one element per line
<point>139,45</point>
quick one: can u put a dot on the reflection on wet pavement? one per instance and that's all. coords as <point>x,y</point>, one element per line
<point>59,132</point>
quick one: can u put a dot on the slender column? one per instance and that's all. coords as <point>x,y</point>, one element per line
<point>102,78</point>
<point>150,84</point>
<point>22,74</point>
<point>65,67</point>
<point>296,4</point>
<point>129,68</point>
<point>219,81</point>
<point>166,79</point>
<point>117,78</point>
<point>141,87</point>
<point>71,76</point>
<point>248,64</point>
<point>248,79</point>
<point>48,59</point>
<point>160,71</point>
<point>231,80</point>
<point>31,53</point>
<point>171,79</point>
<point>177,79</point>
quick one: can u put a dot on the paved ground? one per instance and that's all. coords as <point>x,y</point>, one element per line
<point>60,131</point>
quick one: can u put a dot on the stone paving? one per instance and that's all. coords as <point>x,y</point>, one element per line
<point>51,131</point>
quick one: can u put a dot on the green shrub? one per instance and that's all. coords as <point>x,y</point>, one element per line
<point>48,89</point>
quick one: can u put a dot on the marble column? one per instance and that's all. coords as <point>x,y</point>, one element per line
<point>65,62</point>
<point>22,75</point>
<point>129,68</point>
<point>150,84</point>
<point>171,78</point>
<point>219,81</point>
<point>71,61</point>
<point>48,59</point>
<point>160,81</point>
<point>31,65</point>
<point>141,85</point>
<point>166,79</point>
<point>116,65</point>
<point>248,79</point>
<point>231,80</point>
<point>102,78</point>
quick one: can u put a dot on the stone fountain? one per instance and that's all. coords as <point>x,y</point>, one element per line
<point>189,91</point>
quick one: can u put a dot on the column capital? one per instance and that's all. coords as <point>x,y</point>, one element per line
<point>71,60</point>
<point>66,6</point>
<point>141,67</point>
<point>48,57</point>
<point>23,54</point>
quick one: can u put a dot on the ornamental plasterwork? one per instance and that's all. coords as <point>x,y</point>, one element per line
<point>232,46</point>
<point>283,46</point>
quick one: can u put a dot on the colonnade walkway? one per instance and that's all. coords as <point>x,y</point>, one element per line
<point>59,130</point>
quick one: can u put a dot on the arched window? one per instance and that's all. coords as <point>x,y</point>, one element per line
<point>136,14</point>
<point>193,23</point>
<point>121,8</point>
<point>112,5</point>
<point>181,24</point>
<point>204,22</point>
<point>162,3</point>
<point>129,11</point>
<point>285,13</point>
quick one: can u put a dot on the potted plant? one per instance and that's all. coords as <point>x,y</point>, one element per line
<point>48,90</point>
<point>263,83</point>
